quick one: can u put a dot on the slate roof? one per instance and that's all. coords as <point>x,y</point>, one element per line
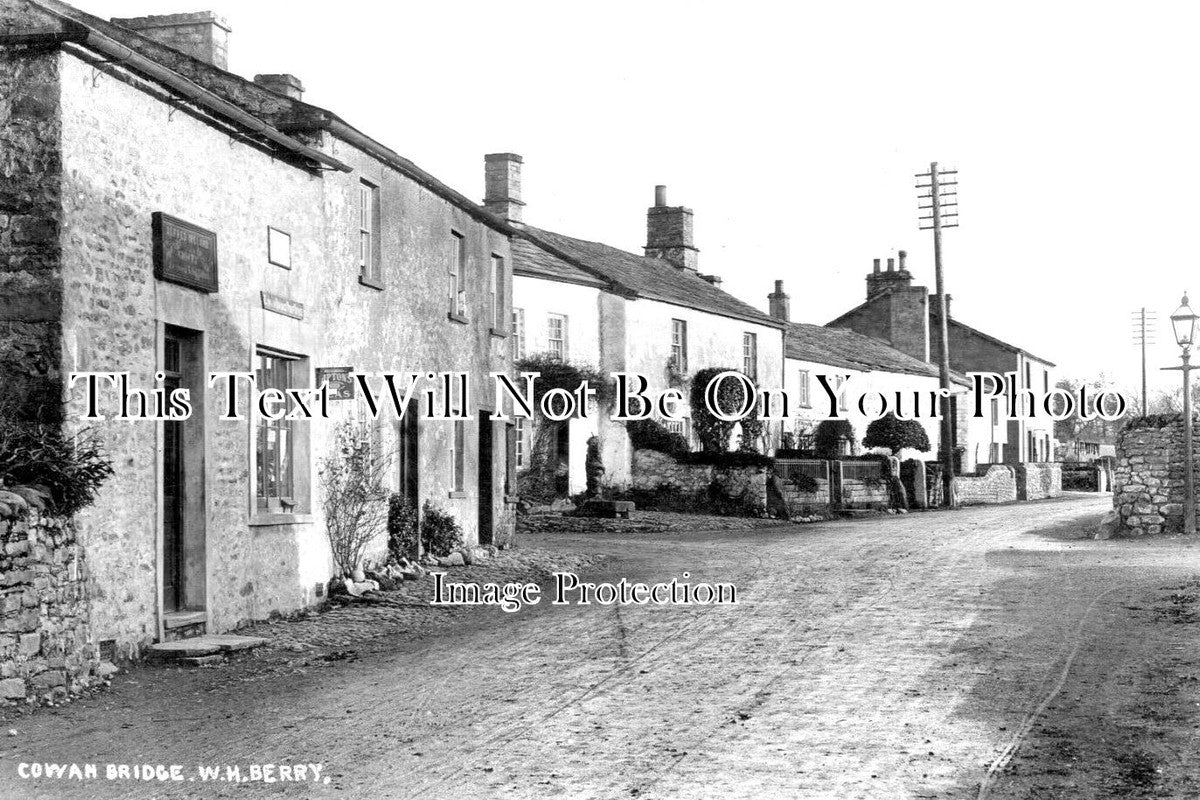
<point>842,347</point>
<point>934,319</point>
<point>284,114</point>
<point>530,259</point>
<point>630,274</point>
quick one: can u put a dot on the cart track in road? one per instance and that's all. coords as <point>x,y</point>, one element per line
<point>762,694</point>
<point>1033,716</point>
<point>472,750</point>
<point>883,657</point>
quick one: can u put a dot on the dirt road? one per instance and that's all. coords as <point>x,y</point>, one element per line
<point>941,655</point>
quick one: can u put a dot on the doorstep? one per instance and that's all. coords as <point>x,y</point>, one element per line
<point>201,647</point>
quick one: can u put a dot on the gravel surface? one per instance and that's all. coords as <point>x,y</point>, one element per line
<point>991,651</point>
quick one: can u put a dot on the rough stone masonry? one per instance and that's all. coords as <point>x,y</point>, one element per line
<point>45,641</point>
<point>1148,480</point>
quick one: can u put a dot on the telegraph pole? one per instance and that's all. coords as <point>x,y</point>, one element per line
<point>1143,334</point>
<point>943,208</point>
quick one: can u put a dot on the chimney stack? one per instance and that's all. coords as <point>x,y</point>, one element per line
<point>669,232</point>
<point>779,305</point>
<point>284,84</point>
<point>201,34</point>
<point>502,186</point>
<point>882,282</point>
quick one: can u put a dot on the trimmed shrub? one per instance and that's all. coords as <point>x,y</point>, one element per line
<point>894,434</point>
<point>786,452</point>
<point>736,458</point>
<point>829,435</point>
<point>402,528</point>
<point>440,531</point>
<point>714,433</point>
<point>648,434</point>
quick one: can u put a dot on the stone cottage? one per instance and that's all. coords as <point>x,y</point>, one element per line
<point>166,219</point>
<point>854,364</point>
<point>654,314</point>
<point>907,317</point>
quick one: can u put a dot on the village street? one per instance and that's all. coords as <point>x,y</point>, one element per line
<point>895,656</point>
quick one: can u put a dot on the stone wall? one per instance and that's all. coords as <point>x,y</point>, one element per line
<point>1148,479</point>
<point>861,494</point>
<point>46,647</point>
<point>997,485</point>
<point>652,471</point>
<point>1036,481</point>
<point>30,190</point>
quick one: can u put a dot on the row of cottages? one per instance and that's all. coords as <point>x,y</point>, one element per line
<point>166,218</point>
<point>655,314</point>
<point>853,364</point>
<point>908,318</point>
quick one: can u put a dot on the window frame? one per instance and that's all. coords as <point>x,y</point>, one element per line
<point>804,383</point>
<point>750,355</point>
<point>499,297</point>
<point>265,508</point>
<point>679,345</point>
<point>519,441</point>
<point>370,268</point>
<point>457,299</point>
<point>564,339</point>
<point>517,331</point>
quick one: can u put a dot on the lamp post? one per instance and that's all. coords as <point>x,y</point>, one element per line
<point>1183,322</point>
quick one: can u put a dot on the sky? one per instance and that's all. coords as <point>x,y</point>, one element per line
<point>794,131</point>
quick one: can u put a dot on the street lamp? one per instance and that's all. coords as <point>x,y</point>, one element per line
<point>1183,321</point>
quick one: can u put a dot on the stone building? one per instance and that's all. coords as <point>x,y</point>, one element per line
<point>854,364</point>
<point>654,314</point>
<point>165,218</point>
<point>907,317</point>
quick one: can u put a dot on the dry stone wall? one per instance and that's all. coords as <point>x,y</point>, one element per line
<point>46,650</point>
<point>1037,481</point>
<point>1148,492</point>
<point>653,470</point>
<point>997,485</point>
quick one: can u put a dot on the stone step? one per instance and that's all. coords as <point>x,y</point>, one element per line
<point>207,645</point>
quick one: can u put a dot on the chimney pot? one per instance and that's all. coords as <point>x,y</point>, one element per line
<point>202,35</point>
<point>877,266</point>
<point>903,255</point>
<point>284,84</point>
<point>891,265</point>
<point>660,196</point>
<point>779,303</point>
<point>502,185</point>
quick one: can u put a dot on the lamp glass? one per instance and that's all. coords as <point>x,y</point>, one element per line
<point>1183,321</point>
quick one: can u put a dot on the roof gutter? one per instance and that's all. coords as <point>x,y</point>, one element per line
<point>356,138</point>
<point>78,33</point>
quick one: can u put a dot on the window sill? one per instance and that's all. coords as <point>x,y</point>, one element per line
<point>459,495</point>
<point>498,334</point>
<point>370,282</point>
<point>459,318</point>
<point>266,519</point>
